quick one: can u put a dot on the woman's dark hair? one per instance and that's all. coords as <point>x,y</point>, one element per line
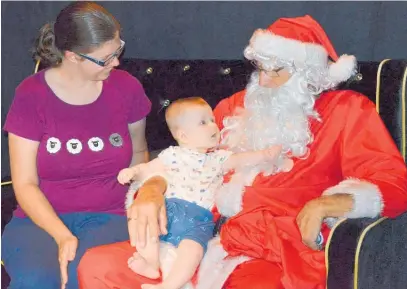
<point>81,27</point>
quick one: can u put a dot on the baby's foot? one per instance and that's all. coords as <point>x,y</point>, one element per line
<point>139,265</point>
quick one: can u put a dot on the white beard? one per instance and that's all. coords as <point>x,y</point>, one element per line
<point>271,116</point>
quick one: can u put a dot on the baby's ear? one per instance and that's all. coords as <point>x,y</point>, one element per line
<point>181,136</point>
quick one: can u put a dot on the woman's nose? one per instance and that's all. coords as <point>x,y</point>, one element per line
<point>115,62</point>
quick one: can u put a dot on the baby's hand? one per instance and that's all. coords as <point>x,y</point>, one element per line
<point>272,153</point>
<point>126,175</point>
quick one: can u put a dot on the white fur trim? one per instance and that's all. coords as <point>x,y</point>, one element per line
<point>266,45</point>
<point>134,187</point>
<point>331,221</point>
<point>168,254</point>
<point>343,68</point>
<point>215,269</point>
<point>367,198</point>
<point>229,197</point>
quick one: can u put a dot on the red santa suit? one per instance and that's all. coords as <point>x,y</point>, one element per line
<point>353,153</point>
<point>260,244</point>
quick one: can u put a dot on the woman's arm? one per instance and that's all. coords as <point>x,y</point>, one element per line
<point>139,143</point>
<point>23,157</point>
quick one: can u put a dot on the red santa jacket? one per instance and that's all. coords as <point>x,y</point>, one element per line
<point>352,152</point>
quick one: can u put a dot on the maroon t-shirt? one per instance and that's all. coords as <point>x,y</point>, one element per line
<point>82,147</point>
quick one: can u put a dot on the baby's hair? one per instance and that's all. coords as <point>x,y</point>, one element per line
<point>178,107</point>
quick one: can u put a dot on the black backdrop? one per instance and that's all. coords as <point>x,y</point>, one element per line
<point>203,30</point>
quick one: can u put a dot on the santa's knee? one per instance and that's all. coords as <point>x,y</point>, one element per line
<point>94,265</point>
<point>252,282</point>
<point>255,274</point>
<point>93,257</point>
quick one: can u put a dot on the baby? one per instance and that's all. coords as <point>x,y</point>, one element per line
<point>194,171</point>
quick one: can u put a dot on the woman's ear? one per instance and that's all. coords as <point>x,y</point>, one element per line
<point>71,56</point>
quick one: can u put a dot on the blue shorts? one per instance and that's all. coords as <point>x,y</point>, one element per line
<point>188,221</point>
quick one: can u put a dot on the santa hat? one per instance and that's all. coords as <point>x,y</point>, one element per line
<point>303,42</point>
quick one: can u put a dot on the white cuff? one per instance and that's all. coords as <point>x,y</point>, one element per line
<point>367,198</point>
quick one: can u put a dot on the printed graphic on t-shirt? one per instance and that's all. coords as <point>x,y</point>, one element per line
<point>75,146</point>
<point>53,145</point>
<point>96,144</point>
<point>116,140</point>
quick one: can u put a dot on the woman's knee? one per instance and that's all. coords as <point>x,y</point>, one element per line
<point>30,262</point>
<point>255,274</point>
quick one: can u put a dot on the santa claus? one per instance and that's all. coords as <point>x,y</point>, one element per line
<point>275,225</point>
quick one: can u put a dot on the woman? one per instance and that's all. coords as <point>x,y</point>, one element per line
<point>71,127</point>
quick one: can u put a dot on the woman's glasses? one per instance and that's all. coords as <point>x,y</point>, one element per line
<point>108,60</point>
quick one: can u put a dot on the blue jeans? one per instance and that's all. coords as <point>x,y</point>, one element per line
<point>30,255</point>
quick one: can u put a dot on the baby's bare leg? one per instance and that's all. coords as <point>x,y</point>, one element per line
<point>189,256</point>
<point>145,261</point>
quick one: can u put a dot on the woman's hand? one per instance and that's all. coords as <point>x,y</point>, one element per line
<point>309,221</point>
<point>148,211</point>
<point>67,246</point>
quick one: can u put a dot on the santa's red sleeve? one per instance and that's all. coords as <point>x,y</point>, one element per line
<point>373,168</point>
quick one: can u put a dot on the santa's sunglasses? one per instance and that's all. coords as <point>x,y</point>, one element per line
<point>108,60</point>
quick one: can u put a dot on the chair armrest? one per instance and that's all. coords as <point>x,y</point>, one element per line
<point>382,257</point>
<point>341,251</point>
<point>368,253</point>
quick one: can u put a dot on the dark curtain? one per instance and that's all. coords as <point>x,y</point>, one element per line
<point>203,30</point>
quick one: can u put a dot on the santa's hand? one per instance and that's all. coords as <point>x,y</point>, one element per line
<point>309,222</point>
<point>126,175</point>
